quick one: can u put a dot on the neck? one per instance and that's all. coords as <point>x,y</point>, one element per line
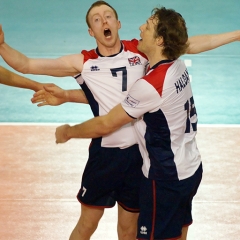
<point>109,50</point>
<point>155,58</point>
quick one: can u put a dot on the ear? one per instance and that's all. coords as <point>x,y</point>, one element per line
<point>159,41</point>
<point>119,24</point>
<point>91,33</point>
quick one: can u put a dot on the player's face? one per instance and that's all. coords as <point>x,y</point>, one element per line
<point>104,25</point>
<point>147,43</point>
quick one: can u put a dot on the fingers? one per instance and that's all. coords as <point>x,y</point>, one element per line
<point>61,134</point>
<point>38,93</point>
<point>1,35</point>
<point>42,104</point>
<point>39,99</point>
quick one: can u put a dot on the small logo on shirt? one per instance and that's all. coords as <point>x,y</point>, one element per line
<point>134,61</point>
<point>143,230</point>
<point>131,101</point>
<point>94,68</point>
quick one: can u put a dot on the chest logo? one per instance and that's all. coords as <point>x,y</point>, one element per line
<point>134,61</point>
<point>94,68</point>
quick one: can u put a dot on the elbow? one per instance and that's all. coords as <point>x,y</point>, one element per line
<point>106,128</point>
<point>23,69</point>
<point>192,49</point>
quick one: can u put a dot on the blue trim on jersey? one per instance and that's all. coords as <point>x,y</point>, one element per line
<point>91,100</point>
<point>130,115</point>
<point>161,62</point>
<point>98,53</point>
<point>158,144</point>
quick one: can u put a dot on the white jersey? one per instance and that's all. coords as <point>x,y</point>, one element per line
<point>166,132</point>
<point>106,82</point>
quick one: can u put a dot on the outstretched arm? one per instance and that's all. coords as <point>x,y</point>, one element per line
<point>69,65</point>
<point>53,95</point>
<point>95,127</point>
<point>202,43</point>
<point>12,79</point>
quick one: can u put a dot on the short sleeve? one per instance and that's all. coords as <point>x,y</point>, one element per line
<point>142,98</point>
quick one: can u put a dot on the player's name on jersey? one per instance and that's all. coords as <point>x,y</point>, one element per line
<point>182,82</point>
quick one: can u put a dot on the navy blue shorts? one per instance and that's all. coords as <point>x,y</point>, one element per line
<point>166,206</point>
<point>112,175</point>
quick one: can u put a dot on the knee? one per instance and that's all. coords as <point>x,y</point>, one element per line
<point>127,230</point>
<point>86,225</point>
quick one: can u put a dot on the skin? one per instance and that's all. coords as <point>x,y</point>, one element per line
<point>117,117</point>
<point>100,18</point>
<point>14,80</point>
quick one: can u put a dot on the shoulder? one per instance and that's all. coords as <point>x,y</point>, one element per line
<point>157,76</point>
<point>89,54</point>
<point>131,45</point>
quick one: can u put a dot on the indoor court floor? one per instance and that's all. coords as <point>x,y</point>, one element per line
<point>39,179</point>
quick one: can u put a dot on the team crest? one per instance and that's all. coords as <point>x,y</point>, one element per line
<point>134,61</point>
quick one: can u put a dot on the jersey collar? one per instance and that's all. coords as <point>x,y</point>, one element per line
<point>161,62</point>
<point>99,54</point>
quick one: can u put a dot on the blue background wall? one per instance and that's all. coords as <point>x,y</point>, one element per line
<point>53,28</point>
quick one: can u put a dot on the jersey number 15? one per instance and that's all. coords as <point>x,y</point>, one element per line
<point>191,111</point>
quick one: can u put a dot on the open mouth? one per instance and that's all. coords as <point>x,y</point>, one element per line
<point>107,33</point>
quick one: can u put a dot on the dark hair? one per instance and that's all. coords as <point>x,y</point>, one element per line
<point>172,28</point>
<point>97,4</point>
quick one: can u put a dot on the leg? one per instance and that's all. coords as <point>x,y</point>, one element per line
<point>127,224</point>
<point>184,233</point>
<point>87,223</point>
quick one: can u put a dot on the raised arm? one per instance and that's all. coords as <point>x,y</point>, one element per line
<point>69,65</point>
<point>12,79</point>
<point>53,95</point>
<point>202,43</point>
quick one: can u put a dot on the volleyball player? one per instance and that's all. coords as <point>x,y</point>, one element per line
<point>163,103</point>
<point>105,74</point>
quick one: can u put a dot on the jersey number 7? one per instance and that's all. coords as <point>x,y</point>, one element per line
<point>124,76</point>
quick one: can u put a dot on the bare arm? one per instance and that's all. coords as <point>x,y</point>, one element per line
<point>95,127</point>
<point>69,65</point>
<point>12,79</point>
<point>202,43</point>
<point>53,95</point>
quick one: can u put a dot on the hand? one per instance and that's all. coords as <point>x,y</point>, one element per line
<point>1,35</point>
<point>61,134</point>
<point>51,95</point>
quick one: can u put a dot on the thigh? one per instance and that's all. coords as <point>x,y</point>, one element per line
<point>90,215</point>
<point>127,194</point>
<point>165,207</point>
<point>99,179</point>
<point>109,176</point>
<point>127,219</point>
